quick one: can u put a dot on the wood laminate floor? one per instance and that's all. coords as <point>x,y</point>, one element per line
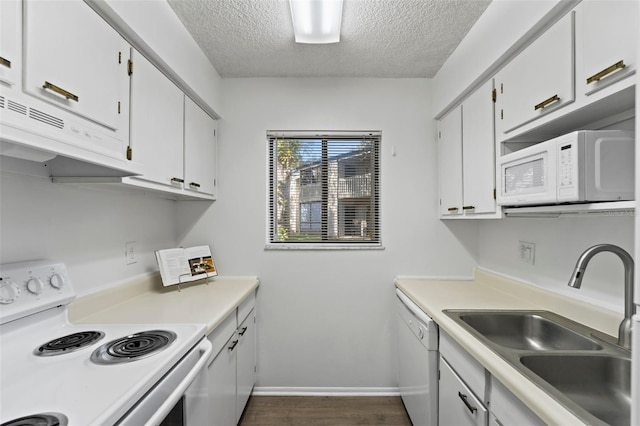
<point>322,410</point>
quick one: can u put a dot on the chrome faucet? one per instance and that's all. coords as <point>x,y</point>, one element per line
<point>624,332</point>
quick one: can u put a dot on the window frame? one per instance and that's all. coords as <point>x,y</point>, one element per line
<point>271,188</point>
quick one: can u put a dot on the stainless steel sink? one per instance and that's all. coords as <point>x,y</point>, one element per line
<point>599,384</point>
<point>580,367</point>
<point>527,331</point>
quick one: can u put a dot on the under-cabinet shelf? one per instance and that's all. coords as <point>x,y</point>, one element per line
<point>615,208</point>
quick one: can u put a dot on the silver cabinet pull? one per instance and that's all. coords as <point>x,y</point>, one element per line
<point>468,207</point>
<point>452,209</point>
<point>60,91</point>
<point>605,72</point>
<point>194,184</point>
<point>5,62</point>
<point>546,102</point>
<point>464,397</point>
<point>177,180</point>
<point>241,332</point>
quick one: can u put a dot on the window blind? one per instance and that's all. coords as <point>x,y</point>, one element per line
<point>324,188</point>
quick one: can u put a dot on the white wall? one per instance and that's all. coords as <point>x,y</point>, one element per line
<point>325,317</point>
<point>84,228</point>
<point>558,244</point>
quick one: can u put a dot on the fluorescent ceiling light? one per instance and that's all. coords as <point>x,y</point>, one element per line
<point>316,21</point>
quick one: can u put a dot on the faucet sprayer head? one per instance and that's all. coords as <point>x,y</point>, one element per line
<point>576,278</point>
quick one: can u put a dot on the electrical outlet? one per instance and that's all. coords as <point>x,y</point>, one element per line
<point>130,252</point>
<point>527,252</point>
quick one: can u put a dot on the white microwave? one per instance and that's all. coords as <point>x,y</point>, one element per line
<point>582,166</point>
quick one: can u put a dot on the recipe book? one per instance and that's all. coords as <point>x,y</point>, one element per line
<point>183,265</point>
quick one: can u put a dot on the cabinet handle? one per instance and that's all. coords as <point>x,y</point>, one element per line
<point>605,72</point>
<point>464,397</point>
<point>452,209</point>
<point>241,332</point>
<point>5,62</point>
<point>233,345</point>
<point>546,102</point>
<point>177,180</point>
<point>468,207</point>
<point>60,91</point>
<point>194,184</point>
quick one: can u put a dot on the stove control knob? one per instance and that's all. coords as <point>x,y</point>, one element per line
<point>57,281</point>
<point>9,292</point>
<point>35,286</point>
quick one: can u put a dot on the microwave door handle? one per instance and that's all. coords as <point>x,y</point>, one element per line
<point>205,349</point>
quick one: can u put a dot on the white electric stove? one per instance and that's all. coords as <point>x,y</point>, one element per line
<point>53,372</point>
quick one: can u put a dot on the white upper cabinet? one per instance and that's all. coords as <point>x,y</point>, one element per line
<point>539,80</point>
<point>607,42</point>
<point>466,158</point>
<point>157,113</point>
<point>478,151</point>
<point>199,149</point>
<point>450,163</point>
<point>74,60</point>
<point>10,56</point>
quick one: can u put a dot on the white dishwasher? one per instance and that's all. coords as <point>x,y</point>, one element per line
<point>417,361</point>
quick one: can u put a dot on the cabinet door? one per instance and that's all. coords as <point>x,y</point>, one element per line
<point>540,79</point>
<point>199,149</point>
<point>10,26</point>
<point>157,113</point>
<point>458,406</point>
<point>450,163</point>
<point>478,151</point>
<point>608,44</point>
<point>246,362</point>
<point>74,59</point>
<point>222,385</point>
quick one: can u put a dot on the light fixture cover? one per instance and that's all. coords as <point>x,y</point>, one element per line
<point>316,21</point>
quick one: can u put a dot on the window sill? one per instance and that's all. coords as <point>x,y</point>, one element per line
<point>322,246</point>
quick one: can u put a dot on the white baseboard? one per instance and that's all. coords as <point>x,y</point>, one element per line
<point>305,391</point>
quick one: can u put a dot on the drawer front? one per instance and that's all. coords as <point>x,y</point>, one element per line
<point>508,409</point>
<point>222,333</point>
<point>464,364</point>
<point>246,306</point>
<point>458,405</point>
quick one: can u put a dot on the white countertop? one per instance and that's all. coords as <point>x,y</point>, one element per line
<point>489,291</point>
<point>145,301</point>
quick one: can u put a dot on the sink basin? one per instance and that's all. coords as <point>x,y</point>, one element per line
<point>526,330</point>
<point>599,384</point>
<point>580,367</point>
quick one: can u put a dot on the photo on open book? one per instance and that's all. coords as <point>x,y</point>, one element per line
<point>202,265</point>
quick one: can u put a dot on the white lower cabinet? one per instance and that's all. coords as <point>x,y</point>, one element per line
<point>222,385</point>
<point>458,405</point>
<point>246,362</point>
<point>231,373</point>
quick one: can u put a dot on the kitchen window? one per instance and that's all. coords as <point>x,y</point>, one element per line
<point>324,190</point>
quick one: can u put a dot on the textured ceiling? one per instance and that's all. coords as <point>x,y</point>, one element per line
<point>379,38</point>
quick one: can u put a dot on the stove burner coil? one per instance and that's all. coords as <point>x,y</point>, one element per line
<point>69,343</point>
<point>42,419</point>
<point>133,347</point>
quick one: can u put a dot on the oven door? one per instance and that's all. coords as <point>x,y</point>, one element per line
<point>179,399</point>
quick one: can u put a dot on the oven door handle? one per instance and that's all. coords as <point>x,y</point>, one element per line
<point>205,349</point>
